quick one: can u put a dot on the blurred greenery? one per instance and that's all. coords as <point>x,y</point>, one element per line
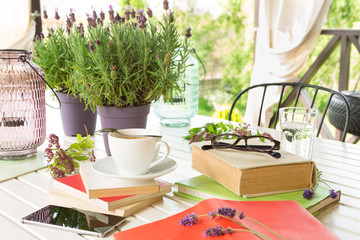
<point>225,44</point>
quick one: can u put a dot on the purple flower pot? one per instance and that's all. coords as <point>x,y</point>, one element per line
<point>121,118</point>
<point>74,117</point>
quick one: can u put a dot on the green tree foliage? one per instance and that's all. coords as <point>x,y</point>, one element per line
<point>225,43</point>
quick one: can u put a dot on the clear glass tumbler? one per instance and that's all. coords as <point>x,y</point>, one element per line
<point>22,105</point>
<point>298,127</point>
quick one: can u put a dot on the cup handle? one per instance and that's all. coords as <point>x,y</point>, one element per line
<point>166,154</point>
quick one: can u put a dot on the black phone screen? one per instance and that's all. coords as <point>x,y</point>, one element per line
<point>75,220</point>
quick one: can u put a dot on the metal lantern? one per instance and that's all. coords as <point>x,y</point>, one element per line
<point>22,105</point>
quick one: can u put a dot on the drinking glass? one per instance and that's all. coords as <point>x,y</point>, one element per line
<point>298,127</point>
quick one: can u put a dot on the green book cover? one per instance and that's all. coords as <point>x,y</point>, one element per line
<point>202,187</point>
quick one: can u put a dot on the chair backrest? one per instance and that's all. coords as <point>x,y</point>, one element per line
<point>298,89</point>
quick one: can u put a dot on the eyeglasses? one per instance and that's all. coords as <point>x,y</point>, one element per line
<point>230,140</point>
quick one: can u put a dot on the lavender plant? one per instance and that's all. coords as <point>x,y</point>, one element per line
<point>131,61</point>
<point>127,60</point>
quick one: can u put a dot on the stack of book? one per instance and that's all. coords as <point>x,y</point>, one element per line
<point>251,176</point>
<point>92,191</point>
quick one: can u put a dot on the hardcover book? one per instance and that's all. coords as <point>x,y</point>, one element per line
<point>252,173</point>
<point>98,185</point>
<point>287,218</point>
<point>74,185</point>
<point>202,187</point>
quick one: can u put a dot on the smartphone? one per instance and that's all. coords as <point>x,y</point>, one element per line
<point>75,220</point>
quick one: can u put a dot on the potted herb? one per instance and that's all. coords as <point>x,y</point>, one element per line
<point>55,56</point>
<point>123,66</point>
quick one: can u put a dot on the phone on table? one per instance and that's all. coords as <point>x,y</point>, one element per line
<point>75,220</point>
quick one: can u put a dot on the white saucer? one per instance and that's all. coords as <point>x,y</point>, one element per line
<point>106,166</point>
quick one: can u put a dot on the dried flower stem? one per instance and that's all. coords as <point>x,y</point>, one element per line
<point>248,229</point>
<point>265,227</point>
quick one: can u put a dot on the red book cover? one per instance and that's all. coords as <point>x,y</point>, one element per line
<point>74,184</point>
<point>287,218</point>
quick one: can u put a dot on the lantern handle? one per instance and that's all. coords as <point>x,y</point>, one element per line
<point>22,58</point>
<point>203,66</point>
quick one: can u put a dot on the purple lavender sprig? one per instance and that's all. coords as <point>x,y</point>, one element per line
<point>188,32</point>
<point>333,194</point>
<point>308,193</point>
<point>189,220</point>
<point>111,13</point>
<point>228,213</point>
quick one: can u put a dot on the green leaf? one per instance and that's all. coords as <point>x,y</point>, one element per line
<point>79,138</point>
<point>75,146</point>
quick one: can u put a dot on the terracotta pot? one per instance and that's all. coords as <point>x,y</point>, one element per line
<point>74,117</point>
<point>121,118</point>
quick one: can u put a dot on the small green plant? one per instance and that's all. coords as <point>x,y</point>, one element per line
<point>63,162</point>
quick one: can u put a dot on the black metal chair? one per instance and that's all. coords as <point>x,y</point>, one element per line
<point>298,90</point>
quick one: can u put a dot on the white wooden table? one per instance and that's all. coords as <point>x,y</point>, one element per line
<point>340,163</point>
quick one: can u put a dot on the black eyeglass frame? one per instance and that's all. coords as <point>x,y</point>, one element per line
<point>218,145</point>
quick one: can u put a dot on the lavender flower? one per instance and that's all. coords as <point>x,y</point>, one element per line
<point>132,13</point>
<point>111,13</point>
<point>241,215</point>
<point>149,12</point>
<point>69,23</point>
<point>94,12</point>
<point>68,30</point>
<point>188,32</point>
<point>102,15</point>
<point>214,232</point>
<point>45,14</point>
<point>189,220</point>
<point>134,24</point>
<point>57,17</point>
<point>100,21</point>
<point>308,193</point>
<point>212,215</point>
<point>91,47</point>
<point>166,5</point>
<point>117,17</point>
<point>226,211</point>
<point>171,16</point>
<point>333,194</point>
<point>72,16</point>
<point>97,42</point>
<point>127,13</point>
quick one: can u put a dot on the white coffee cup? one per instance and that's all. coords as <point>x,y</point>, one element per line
<point>136,155</point>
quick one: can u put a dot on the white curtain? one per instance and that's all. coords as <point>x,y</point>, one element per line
<point>287,33</point>
<point>17,28</point>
